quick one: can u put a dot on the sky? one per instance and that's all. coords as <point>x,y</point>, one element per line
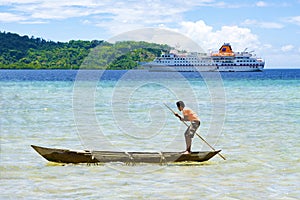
<point>270,28</point>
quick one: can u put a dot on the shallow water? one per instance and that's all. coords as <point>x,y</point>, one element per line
<point>253,117</point>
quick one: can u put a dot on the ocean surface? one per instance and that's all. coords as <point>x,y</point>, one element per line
<point>254,117</point>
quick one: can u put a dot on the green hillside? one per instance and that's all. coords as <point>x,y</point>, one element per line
<point>23,52</point>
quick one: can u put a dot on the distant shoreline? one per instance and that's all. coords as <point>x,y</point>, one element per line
<point>23,52</point>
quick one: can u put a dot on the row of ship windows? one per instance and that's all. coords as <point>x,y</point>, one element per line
<point>218,65</point>
<point>199,62</point>
<point>182,62</point>
<point>246,61</point>
<point>241,67</point>
<point>195,58</point>
<point>253,65</point>
<point>194,65</point>
<point>242,57</point>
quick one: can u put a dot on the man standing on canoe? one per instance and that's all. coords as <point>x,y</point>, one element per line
<point>188,115</point>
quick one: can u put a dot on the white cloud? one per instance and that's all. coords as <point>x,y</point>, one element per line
<point>261,4</point>
<point>267,46</point>
<point>269,25</point>
<point>9,17</point>
<point>207,38</point>
<point>63,9</point>
<point>53,10</point>
<point>287,48</point>
<point>196,36</point>
<point>131,12</point>
<point>294,20</point>
<point>141,14</point>
<point>10,2</point>
<point>34,22</point>
<point>114,16</point>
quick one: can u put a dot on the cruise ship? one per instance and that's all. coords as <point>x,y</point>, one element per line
<point>224,60</point>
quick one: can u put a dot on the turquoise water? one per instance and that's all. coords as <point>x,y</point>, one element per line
<point>253,117</point>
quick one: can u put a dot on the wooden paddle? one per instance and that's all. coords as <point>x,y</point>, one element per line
<point>196,133</point>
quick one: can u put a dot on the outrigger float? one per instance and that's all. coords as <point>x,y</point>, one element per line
<point>90,157</point>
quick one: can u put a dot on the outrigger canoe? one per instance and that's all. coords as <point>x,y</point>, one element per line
<point>86,156</point>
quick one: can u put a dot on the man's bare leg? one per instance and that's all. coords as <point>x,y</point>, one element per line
<point>188,141</point>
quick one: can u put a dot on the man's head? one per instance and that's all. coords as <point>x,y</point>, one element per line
<point>180,105</point>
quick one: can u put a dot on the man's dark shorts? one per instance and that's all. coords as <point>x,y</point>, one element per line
<point>191,130</point>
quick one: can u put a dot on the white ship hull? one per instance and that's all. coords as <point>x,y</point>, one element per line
<point>163,68</point>
<point>211,68</point>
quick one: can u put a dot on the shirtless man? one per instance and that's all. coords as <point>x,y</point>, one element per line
<point>188,115</point>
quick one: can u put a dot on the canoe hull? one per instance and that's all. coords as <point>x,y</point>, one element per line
<point>73,156</point>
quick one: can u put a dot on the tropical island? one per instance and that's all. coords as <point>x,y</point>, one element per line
<point>24,52</point>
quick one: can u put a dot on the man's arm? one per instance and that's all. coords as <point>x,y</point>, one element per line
<point>177,115</point>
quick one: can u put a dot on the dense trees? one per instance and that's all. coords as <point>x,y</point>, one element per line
<point>22,52</point>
